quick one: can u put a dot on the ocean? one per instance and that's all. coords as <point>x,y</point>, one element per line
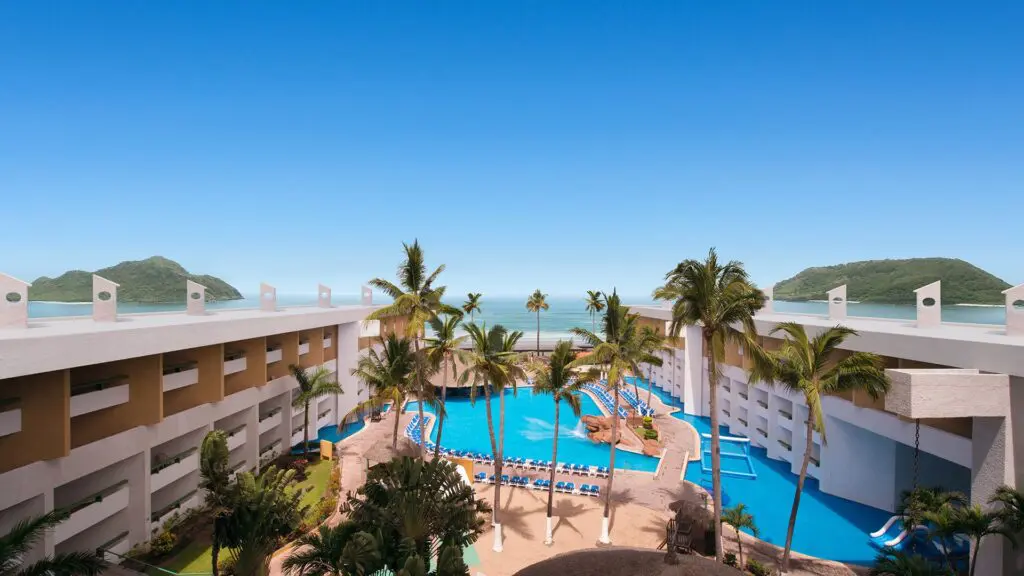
<point>563,314</point>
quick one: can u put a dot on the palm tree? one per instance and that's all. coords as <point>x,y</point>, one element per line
<point>263,510</point>
<point>441,351</point>
<point>389,373</point>
<point>1012,510</point>
<point>214,479</point>
<point>555,378</point>
<point>977,523</point>
<point>421,508</point>
<point>809,367</point>
<point>739,518</point>
<point>418,300</point>
<point>916,505</point>
<point>716,298</point>
<point>472,304</point>
<point>17,543</point>
<point>891,562</point>
<point>335,551</point>
<point>536,303</point>
<point>492,364</point>
<point>594,306</point>
<point>312,387</point>
<point>623,349</point>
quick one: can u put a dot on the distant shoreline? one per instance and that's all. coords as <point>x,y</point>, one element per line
<point>981,305</point>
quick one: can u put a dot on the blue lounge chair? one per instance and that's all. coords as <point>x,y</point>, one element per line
<point>559,486</point>
<point>538,483</point>
<point>490,480</point>
<point>504,478</point>
<point>595,491</point>
<point>570,487</point>
<point>585,489</point>
<point>481,476</point>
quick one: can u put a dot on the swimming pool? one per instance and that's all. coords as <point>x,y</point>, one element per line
<point>529,430</point>
<point>331,434</point>
<point>827,526</point>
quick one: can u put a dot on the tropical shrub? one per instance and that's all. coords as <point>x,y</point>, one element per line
<point>226,565</point>
<point>648,422</point>
<point>730,560</point>
<point>163,544</point>
<point>651,434</point>
<point>758,569</point>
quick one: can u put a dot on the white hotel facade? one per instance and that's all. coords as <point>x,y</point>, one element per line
<point>104,415</point>
<point>963,383</point>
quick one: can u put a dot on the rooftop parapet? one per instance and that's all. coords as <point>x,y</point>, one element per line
<point>929,305</point>
<point>323,296</point>
<point>195,298</point>
<point>769,292</point>
<point>367,296</point>
<point>268,297</point>
<point>104,299</point>
<point>837,303</point>
<point>13,302</point>
<point>1015,310</point>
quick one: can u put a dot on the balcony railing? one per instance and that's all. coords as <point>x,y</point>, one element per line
<point>91,510</point>
<point>744,395</point>
<point>815,461</point>
<point>323,413</point>
<point>762,404</point>
<point>179,506</point>
<point>235,362</point>
<point>741,421</point>
<point>173,468</point>
<point>236,437</point>
<point>726,412</point>
<point>303,348</point>
<point>274,354</point>
<point>762,432</point>
<point>328,341</point>
<point>168,462</point>
<point>96,395</point>
<point>270,420</point>
<point>785,414</point>
<point>785,445</point>
<point>180,375</point>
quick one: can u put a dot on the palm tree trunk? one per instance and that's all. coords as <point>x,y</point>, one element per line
<point>538,332</point>
<point>796,497</point>
<point>551,485</point>
<point>593,323</point>
<point>974,555</point>
<point>422,388</point>
<point>496,452</point>
<point>440,420</point>
<point>305,432</point>
<point>739,545</point>
<point>214,552</point>
<point>396,406</point>
<point>650,385</point>
<point>716,455</point>
<point>606,520</point>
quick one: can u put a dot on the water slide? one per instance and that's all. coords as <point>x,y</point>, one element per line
<point>893,532</point>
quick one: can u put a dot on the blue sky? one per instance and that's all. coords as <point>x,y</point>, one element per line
<point>560,145</point>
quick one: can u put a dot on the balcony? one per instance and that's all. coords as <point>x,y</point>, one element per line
<point>270,420</point>
<point>98,394</point>
<point>10,416</point>
<point>762,404</point>
<point>785,445</point>
<point>274,355</point>
<point>118,545</point>
<point>744,395</point>
<point>303,348</point>
<point>327,342</point>
<point>234,362</point>
<point>180,375</point>
<point>268,453</point>
<point>178,507</point>
<point>240,467</point>
<point>762,432</point>
<point>90,511</point>
<point>236,437</point>
<point>742,422</point>
<point>331,365</point>
<point>173,468</point>
<point>297,436</point>
<point>323,419</point>
<point>786,414</point>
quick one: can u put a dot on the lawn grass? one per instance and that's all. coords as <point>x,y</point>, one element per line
<point>317,476</point>
<point>196,557</point>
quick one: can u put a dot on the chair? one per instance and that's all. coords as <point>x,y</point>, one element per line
<point>585,489</point>
<point>570,487</point>
<point>595,491</point>
<point>538,483</point>
<point>490,480</point>
<point>481,476</point>
<point>560,486</point>
<point>504,478</point>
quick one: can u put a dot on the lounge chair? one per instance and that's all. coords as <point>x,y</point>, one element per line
<point>490,479</point>
<point>595,491</point>
<point>538,483</point>
<point>585,489</point>
<point>560,486</point>
<point>570,487</point>
<point>480,477</point>
<point>504,478</point>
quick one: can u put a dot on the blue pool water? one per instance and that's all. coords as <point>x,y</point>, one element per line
<point>529,431</point>
<point>826,527</point>
<point>331,434</point>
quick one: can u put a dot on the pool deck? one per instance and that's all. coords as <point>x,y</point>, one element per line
<point>640,506</point>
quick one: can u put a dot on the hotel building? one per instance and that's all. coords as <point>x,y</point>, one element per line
<point>962,383</point>
<point>104,415</point>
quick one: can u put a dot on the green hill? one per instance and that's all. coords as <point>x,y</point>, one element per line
<point>155,280</point>
<point>894,281</point>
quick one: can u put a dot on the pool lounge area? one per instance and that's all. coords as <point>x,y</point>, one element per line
<point>827,526</point>
<point>332,434</point>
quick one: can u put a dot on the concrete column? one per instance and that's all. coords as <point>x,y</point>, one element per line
<point>992,466</point>
<point>693,372</point>
<point>251,450</point>
<point>139,504</point>
<point>284,402</point>
<point>348,357</point>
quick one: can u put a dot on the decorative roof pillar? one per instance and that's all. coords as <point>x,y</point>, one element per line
<point>367,296</point>
<point>268,297</point>
<point>104,299</point>
<point>195,298</point>
<point>13,302</point>
<point>769,302</point>
<point>1015,310</point>
<point>837,303</point>
<point>929,305</point>
<point>323,299</point>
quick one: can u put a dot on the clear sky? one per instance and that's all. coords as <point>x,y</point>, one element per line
<point>560,145</point>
